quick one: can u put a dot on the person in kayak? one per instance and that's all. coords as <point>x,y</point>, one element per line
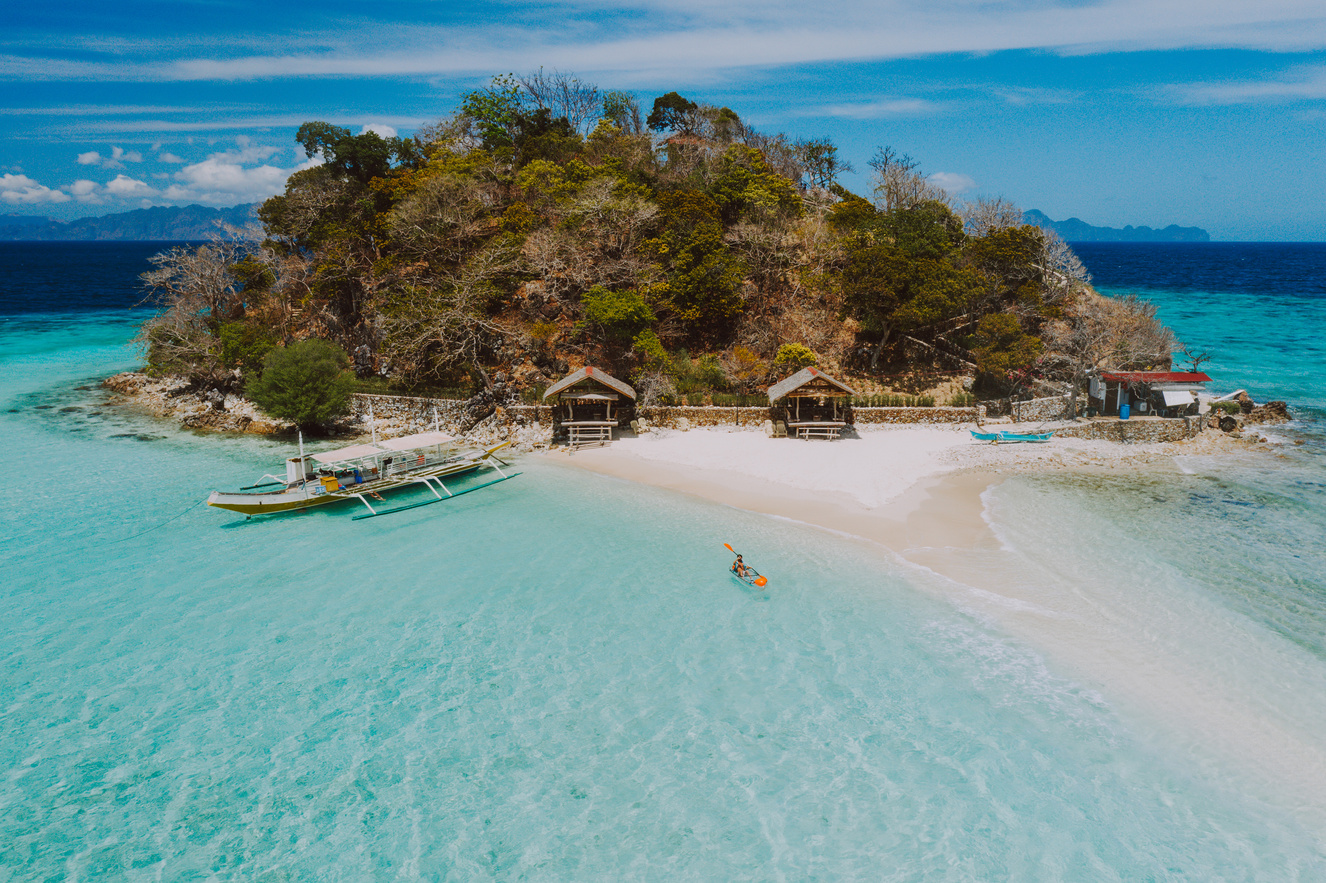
<point>739,568</point>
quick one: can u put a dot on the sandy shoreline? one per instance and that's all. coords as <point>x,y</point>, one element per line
<point>1124,642</point>
<point>915,491</point>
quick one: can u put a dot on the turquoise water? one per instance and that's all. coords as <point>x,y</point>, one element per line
<point>555,679</point>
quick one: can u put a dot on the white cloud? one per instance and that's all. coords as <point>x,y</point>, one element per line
<point>691,39</point>
<point>123,186</point>
<point>873,110</point>
<point>951,182</point>
<point>22,190</point>
<point>1301,84</point>
<point>86,191</point>
<point>232,176</point>
<point>169,157</point>
<point>382,131</point>
<point>119,156</point>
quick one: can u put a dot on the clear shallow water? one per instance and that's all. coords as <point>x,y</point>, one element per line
<point>1258,307</point>
<point>555,679</point>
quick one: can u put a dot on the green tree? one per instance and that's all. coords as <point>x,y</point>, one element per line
<point>360,157</point>
<point>909,279</point>
<point>306,383</point>
<point>493,112</point>
<point>747,186</point>
<point>618,315</point>
<point>702,288</point>
<point>1004,351</point>
<point>245,345</point>
<point>671,112</point>
<point>795,356</point>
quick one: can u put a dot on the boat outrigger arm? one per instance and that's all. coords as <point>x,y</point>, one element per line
<point>366,470</point>
<point>429,481</point>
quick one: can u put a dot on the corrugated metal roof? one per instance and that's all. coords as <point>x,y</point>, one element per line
<point>1154,377</point>
<point>800,379</point>
<point>591,373</point>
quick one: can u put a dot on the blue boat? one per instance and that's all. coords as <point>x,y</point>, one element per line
<point>995,438</point>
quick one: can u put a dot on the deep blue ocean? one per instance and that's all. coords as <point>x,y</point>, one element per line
<point>554,679</point>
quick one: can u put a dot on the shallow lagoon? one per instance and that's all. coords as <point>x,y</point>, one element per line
<point>556,679</point>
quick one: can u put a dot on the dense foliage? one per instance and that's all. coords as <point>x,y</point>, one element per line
<point>306,383</point>
<point>547,223</point>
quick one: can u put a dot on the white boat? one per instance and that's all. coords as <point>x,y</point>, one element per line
<point>363,472</point>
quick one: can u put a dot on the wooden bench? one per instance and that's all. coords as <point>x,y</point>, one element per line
<point>589,432</point>
<point>817,429</point>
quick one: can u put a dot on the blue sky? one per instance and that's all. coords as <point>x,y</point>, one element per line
<point>1208,113</point>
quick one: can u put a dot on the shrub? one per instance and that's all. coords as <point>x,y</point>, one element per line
<point>543,331</point>
<point>305,383</point>
<point>620,315</point>
<point>963,400</point>
<point>245,346</point>
<point>795,356</point>
<point>747,367</point>
<point>698,375</point>
<point>653,358</point>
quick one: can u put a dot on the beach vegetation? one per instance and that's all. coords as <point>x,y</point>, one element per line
<point>614,315</point>
<point>548,222</point>
<point>1005,352</point>
<point>306,383</point>
<point>792,357</point>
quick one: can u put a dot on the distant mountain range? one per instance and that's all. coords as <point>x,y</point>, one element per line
<point>1076,230</point>
<point>196,222</point>
<point>189,222</point>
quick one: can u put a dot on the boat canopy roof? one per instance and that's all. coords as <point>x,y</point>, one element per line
<point>418,440</point>
<point>404,443</point>
<point>354,452</point>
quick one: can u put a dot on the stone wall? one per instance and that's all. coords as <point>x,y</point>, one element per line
<point>1048,408</point>
<point>917,415</point>
<point>411,414</point>
<point>1137,430</point>
<point>417,413</point>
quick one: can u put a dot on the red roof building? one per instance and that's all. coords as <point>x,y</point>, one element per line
<point>1151,393</point>
<point>1155,377</point>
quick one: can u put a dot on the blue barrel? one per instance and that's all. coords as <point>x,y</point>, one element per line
<point>1123,411</point>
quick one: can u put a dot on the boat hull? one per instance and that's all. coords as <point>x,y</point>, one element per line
<point>1011,437</point>
<point>311,494</point>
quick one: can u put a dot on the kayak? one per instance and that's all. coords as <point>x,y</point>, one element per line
<point>752,577</point>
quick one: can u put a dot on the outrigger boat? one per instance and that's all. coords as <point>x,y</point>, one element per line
<point>365,471</point>
<point>998,437</point>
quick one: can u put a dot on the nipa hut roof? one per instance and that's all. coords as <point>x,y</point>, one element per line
<point>591,373</point>
<point>820,383</point>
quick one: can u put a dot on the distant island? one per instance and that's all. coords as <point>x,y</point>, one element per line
<point>189,222</point>
<point>1077,230</point>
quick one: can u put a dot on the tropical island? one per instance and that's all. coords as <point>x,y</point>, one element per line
<point>548,225</point>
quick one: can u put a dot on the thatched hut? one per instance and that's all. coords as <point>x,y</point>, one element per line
<point>589,404</point>
<point>813,404</point>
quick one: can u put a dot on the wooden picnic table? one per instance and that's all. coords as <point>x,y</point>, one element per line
<point>817,428</point>
<point>590,431</point>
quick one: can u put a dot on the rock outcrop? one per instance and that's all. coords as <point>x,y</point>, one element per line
<point>1271,412</point>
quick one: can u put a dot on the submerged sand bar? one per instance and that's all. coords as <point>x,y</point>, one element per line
<point>921,494</point>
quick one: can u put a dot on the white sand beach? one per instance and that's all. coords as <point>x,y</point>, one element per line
<point>909,488</point>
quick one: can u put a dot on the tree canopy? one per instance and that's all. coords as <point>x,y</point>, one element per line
<point>546,221</point>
